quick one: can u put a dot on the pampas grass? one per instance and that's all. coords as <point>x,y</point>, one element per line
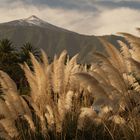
<point>71,101</point>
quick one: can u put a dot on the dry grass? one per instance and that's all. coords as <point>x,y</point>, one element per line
<point>70,101</point>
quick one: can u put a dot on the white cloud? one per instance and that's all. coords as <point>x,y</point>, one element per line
<point>118,20</point>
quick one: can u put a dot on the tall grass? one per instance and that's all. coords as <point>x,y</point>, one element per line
<point>71,101</point>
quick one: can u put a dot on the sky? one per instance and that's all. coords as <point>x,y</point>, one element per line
<point>90,17</point>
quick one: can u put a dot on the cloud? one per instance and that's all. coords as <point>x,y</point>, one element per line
<point>89,18</point>
<point>118,20</point>
<point>66,18</point>
<point>78,4</point>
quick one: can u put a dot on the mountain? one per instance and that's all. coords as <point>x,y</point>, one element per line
<point>33,21</point>
<point>53,39</point>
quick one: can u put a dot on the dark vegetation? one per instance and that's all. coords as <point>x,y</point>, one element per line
<point>11,57</point>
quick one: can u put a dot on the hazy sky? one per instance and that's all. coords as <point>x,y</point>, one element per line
<point>84,16</point>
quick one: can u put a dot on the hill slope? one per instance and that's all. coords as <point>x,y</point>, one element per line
<point>51,38</point>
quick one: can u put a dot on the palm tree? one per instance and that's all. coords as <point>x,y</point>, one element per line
<point>7,51</point>
<point>9,59</point>
<point>6,46</point>
<point>24,56</point>
<point>25,52</point>
<point>8,55</point>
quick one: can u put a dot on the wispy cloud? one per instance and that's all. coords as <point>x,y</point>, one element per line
<point>118,20</point>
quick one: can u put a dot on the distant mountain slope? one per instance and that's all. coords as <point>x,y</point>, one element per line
<point>52,39</point>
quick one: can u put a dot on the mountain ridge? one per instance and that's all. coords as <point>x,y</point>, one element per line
<point>53,39</point>
<point>34,21</point>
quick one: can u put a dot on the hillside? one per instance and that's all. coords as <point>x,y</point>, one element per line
<point>52,39</point>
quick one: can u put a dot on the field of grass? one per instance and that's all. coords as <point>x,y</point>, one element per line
<point>70,101</point>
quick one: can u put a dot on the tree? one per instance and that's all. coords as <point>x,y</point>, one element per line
<point>24,56</point>
<point>7,51</point>
<point>9,60</point>
<point>25,53</point>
